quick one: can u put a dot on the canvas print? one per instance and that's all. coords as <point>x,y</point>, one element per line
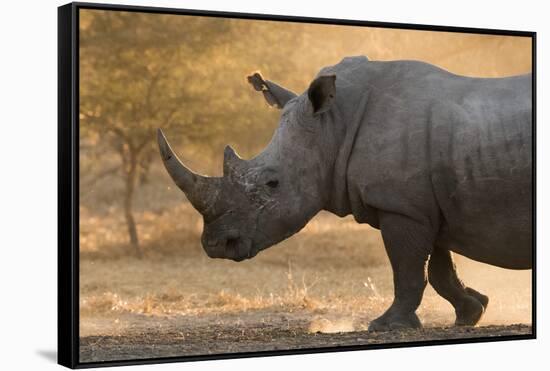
<point>261,185</point>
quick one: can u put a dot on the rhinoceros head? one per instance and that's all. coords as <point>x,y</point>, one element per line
<point>259,202</point>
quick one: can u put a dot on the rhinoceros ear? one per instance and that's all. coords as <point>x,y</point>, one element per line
<point>274,94</point>
<point>321,93</point>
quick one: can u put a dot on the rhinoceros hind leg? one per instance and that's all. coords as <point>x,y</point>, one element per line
<point>469,304</point>
<point>408,244</point>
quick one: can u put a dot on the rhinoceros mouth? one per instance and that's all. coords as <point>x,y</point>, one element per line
<point>231,247</point>
<point>239,249</point>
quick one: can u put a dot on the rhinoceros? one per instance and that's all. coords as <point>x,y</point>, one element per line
<point>440,163</point>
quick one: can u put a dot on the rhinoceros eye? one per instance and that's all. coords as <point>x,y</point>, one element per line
<point>272,184</point>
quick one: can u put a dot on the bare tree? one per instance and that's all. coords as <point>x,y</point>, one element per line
<point>133,80</point>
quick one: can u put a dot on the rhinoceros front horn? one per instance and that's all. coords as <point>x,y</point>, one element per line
<point>200,190</point>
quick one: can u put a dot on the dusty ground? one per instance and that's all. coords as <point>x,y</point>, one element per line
<point>262,330</point>
<point>319,288</point>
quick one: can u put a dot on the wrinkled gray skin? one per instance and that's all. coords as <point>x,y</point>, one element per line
<point>439,163</point>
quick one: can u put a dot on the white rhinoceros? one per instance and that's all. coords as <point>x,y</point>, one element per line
<point>440,163</point>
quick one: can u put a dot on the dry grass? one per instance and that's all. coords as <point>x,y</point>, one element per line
<point>335,270</point>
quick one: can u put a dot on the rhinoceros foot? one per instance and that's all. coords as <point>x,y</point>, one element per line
<point>395,321</point>
<point>472,308</point>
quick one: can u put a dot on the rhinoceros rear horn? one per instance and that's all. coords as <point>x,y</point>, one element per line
<point>198,189</point>
<point>231,161</point>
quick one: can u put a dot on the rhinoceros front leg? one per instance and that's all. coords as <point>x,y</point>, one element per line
<point>408,245</point>
<point>468,303</point>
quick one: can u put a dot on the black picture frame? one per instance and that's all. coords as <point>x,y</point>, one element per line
<point>68,180</point>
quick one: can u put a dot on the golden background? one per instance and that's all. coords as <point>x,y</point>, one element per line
<point>141,261</point>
